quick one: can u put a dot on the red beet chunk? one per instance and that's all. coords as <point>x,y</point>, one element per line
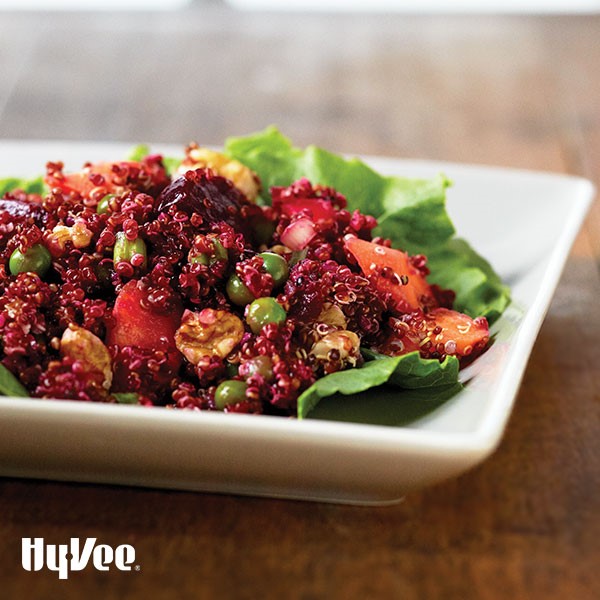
<point>140,335</point>
<point>21,211</point>
<point>135,323</point>
<point>213,197</point>
<point>315,208</point>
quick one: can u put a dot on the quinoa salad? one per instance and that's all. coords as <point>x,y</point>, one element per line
<point>257,279</point>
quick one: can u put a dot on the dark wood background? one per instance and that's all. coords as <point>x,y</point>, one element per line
<point>514,91</point>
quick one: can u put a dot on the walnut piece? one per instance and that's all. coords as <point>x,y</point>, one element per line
<point>240,175</point>
<point>209,332</point>
<point>337,349</point>
<point>79,234</point>
<point>82,345</point>
<point>331,314</point>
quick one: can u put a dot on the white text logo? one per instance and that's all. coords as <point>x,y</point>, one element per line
<point>64,558</point>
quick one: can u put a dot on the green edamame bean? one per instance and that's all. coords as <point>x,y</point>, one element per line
<point>36,259</point>
<point>124,249</point>
<point>104,204</point>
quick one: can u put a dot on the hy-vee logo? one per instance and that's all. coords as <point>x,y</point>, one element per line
<point>64,558</point>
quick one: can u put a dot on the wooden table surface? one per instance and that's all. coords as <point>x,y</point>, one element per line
<point>521,92</point>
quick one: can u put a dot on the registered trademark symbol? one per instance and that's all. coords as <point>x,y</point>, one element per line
<point>137,567</point>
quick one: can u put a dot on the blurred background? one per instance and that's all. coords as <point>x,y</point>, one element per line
<point>503,83</point>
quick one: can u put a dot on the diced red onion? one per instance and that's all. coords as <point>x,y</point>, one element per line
<point>298,234</point>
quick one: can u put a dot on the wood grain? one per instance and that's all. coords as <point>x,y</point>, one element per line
<point>520,92</point>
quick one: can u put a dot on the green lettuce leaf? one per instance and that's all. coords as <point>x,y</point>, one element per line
<point>30,186</point>
<point>413,372</point>
<point>409,371</point>
<point>171,164</point>
<point>126,397</point>
<point>138,152</point>
<point>479,289</point>
<point>384,405</point>
<point>10,385</point>
<point>410,212</point>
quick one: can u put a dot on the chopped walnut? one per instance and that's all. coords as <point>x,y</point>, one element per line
<point>209,332</point>
<point>82,345</point>
<point>241,176</point>
<point>336,350</point>
<point>13,309</point>
<point>330,319</point>
<point>279,249</point>
<point>79,234</point>
<point>332,314</point>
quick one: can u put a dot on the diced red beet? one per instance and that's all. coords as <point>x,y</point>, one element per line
<point>314,208</point>
<point>135,323</point>
<point>211,196</point>
<point>22,211</point>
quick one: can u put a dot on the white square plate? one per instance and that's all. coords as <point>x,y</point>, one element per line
<point>494,209</point>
